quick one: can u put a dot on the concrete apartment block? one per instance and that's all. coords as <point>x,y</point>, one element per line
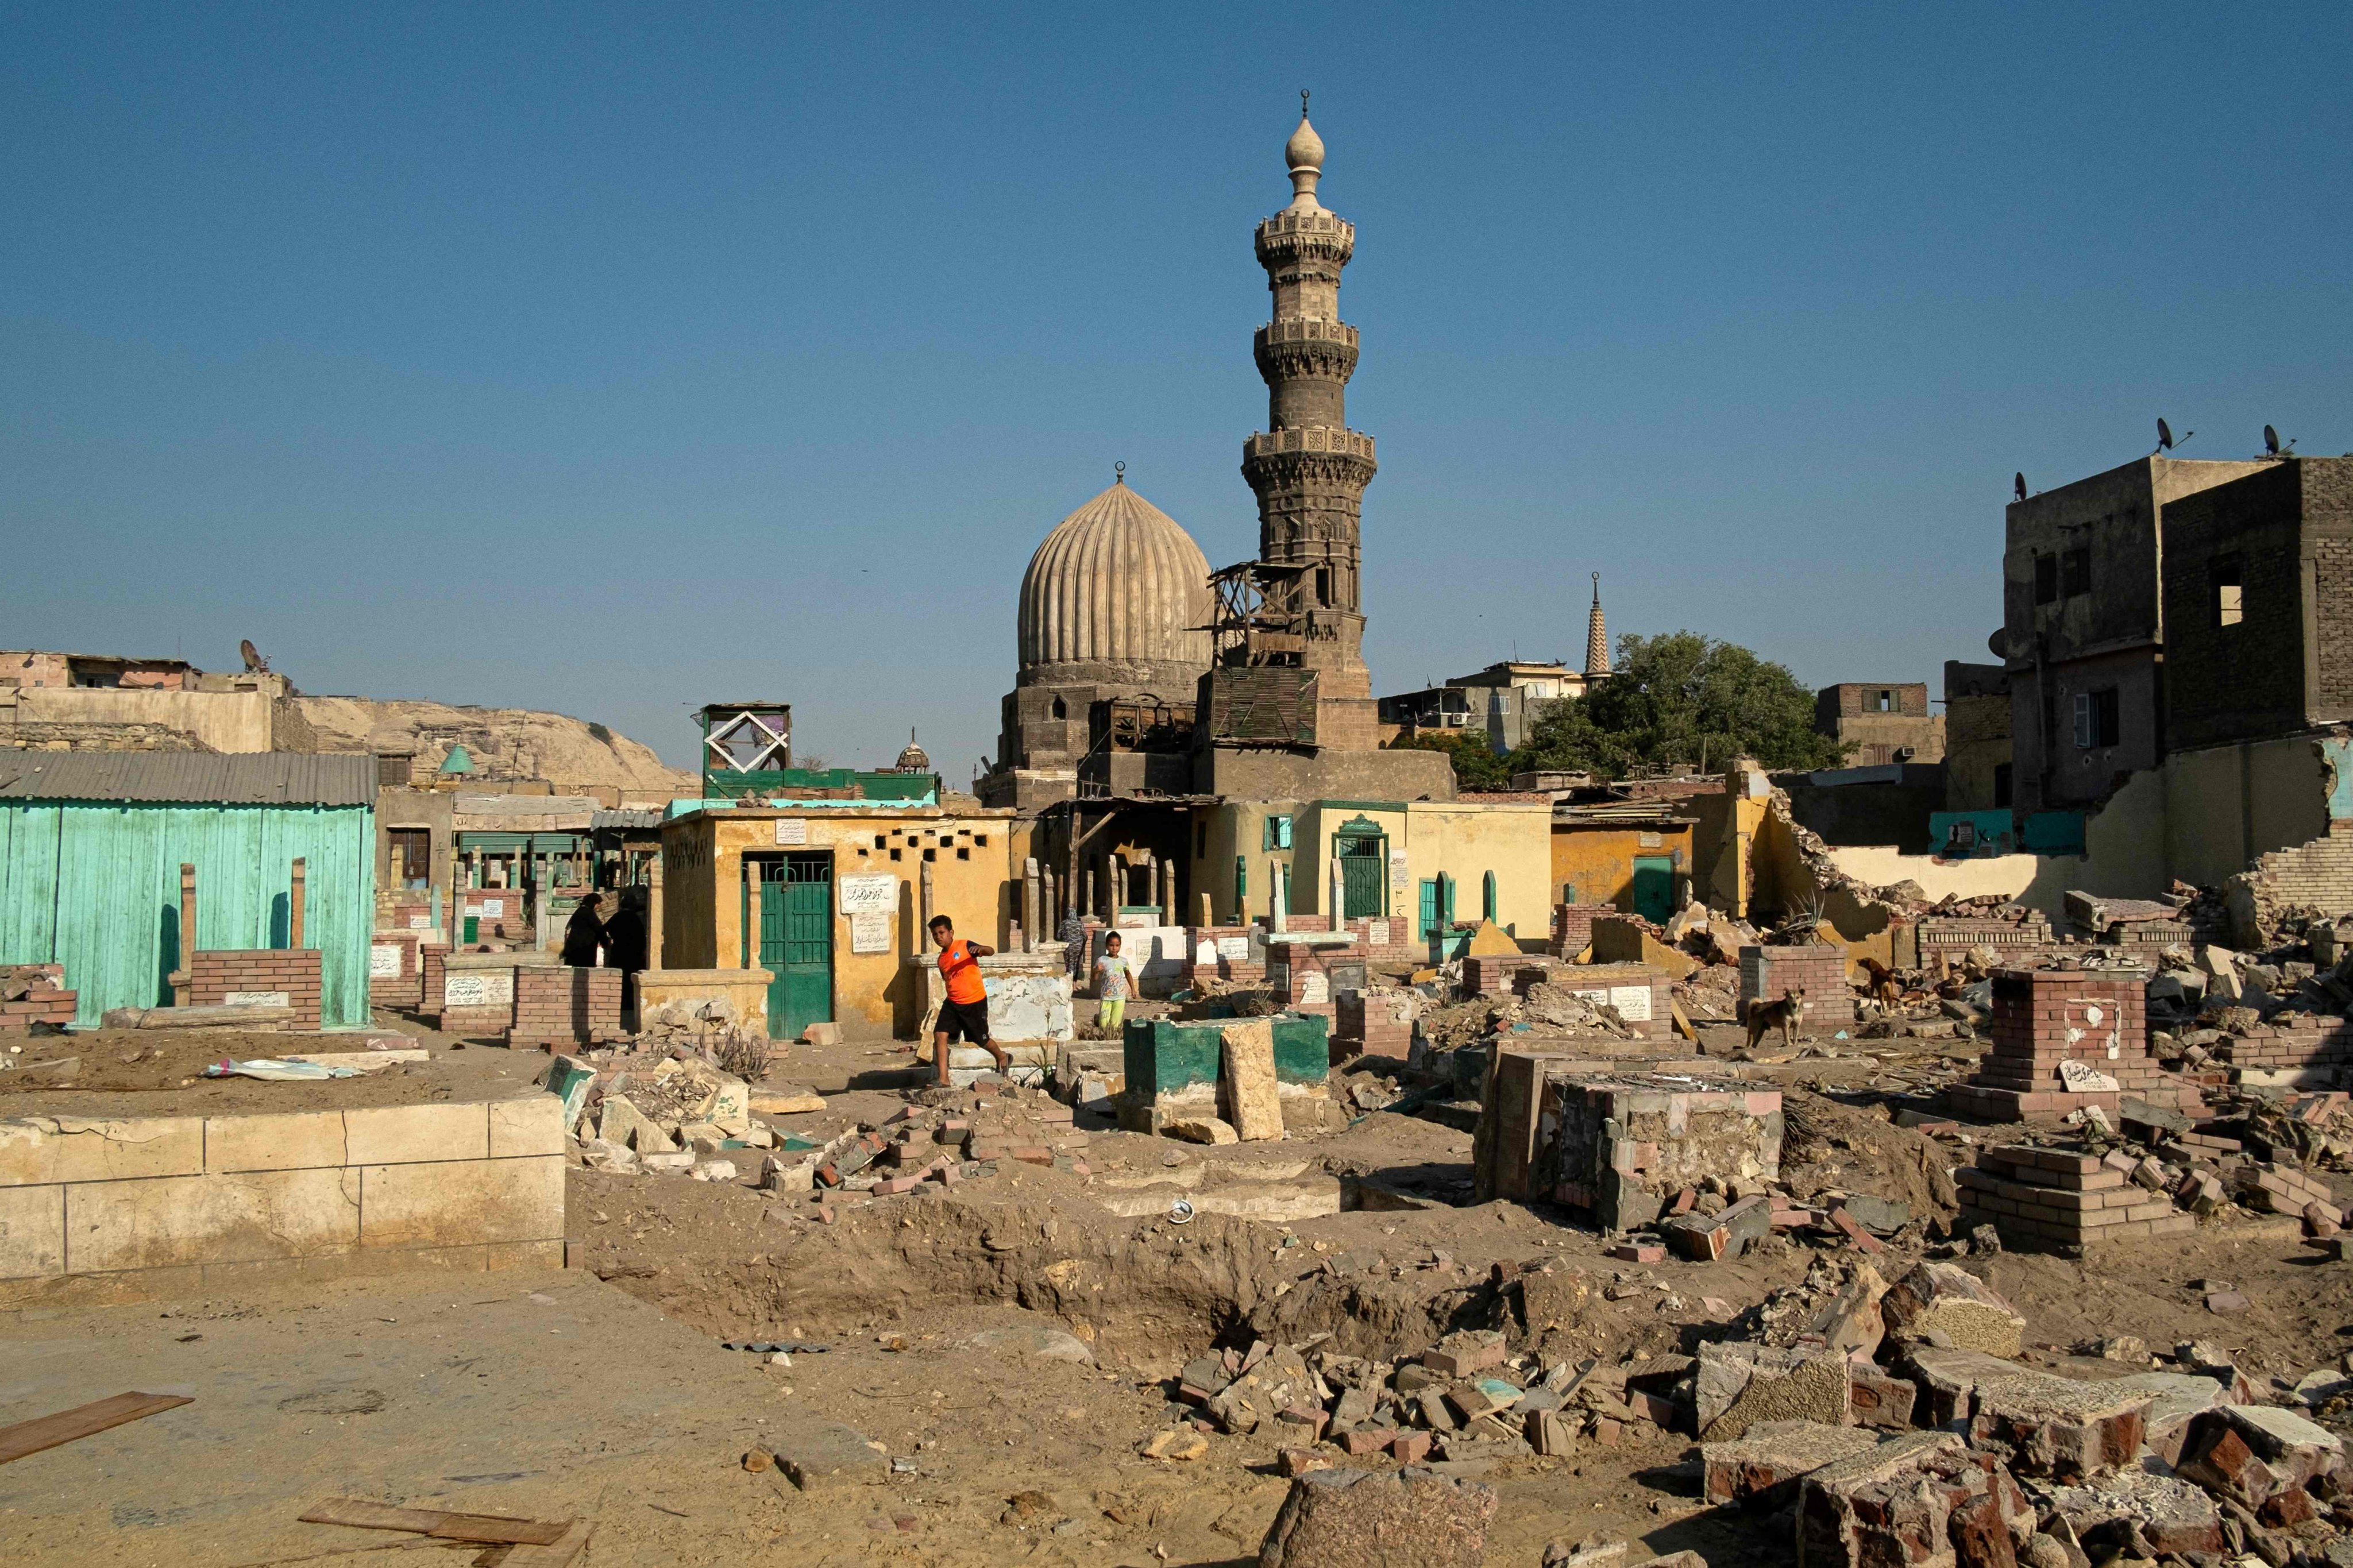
<point>265,977</point>
<point>140,1208</point>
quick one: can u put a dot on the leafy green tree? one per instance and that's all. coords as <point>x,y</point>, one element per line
<point>1476,765</point>
<point>1680,698</point>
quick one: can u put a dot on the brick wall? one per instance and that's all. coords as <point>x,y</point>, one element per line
<point>2318,874</point>
<point>2225,683</point>
<point>565,1007</point>
<point>1819,969</point>
<point>221,976</point>
<point>44,999</point>
<point>403,949</point>
<point>1941,937</point>
<point>489,1016</point>
<point>1572,926</point>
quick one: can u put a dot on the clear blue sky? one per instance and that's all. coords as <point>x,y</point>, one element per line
<point>614,359</point>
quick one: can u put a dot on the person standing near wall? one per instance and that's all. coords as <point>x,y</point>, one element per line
<point>965,1014</point>
<point>1114,984</point>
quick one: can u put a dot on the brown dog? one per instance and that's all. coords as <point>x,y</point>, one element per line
<point>1882,987</point>
<point>1781,1015</point>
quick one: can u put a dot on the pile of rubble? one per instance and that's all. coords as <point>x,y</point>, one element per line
<point>1898,1426</point>
<point>710,1028</point>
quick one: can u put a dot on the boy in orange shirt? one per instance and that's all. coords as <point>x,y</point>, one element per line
<point>965,1014</point>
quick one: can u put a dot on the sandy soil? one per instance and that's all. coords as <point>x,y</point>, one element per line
<point>605,1392</point>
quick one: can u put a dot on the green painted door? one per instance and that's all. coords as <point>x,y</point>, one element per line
<point>1654,886</point>
<point>1364,862</point>
<point>797,941</point>
<point>1429,908</point>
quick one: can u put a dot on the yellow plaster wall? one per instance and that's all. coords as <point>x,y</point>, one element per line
<point>1599,861</point>
<point>1465,839</point>
<point>1316,830</point>
<point>1238,828</point>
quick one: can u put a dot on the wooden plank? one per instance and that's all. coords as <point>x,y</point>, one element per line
<point>557,1553</point>
<point>49,1431</point>
<point>490,1529</point>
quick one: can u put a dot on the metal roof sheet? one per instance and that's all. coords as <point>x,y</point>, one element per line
<point>627,816</point>
<point>253,778</point>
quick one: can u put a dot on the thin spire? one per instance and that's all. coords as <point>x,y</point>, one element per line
<point>1597,637</point>
<point>1119,473</point>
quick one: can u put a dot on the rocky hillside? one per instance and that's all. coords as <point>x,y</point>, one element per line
<point>575,755</point>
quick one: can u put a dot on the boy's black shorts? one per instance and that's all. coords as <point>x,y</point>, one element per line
<point>964,1021</point>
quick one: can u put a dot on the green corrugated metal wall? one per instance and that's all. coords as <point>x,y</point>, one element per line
<point>95,885</point>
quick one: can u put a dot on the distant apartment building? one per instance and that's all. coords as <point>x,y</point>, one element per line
<point>1880,723</point>
<point>2083,626</point>
<point>1502,701</point>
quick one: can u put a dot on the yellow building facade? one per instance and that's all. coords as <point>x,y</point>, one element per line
<point>831,901</point>
<point>1427,862</point>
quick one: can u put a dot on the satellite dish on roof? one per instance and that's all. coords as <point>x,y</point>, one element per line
<point>254,663</point>
<point>2017,483</point>
<point>2272,447</point>
<point>2165,439</point>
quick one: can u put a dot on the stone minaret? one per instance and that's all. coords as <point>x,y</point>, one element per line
<point>1597,637</point>
<point>1308,468</point>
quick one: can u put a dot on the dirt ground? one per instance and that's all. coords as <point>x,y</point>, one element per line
<point>605,1391</point>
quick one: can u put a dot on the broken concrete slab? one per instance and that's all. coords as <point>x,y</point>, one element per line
<point>2250,1452</point>
<point>2175,1398</point>
<point>1737,1385</point>
<point>1407,1518</point>
<point>1246,1090</point>
<point>1945,1299</point>
<point>1763,1465</point>
<point>2166,1513</point>
<point>1921,1499</point>
<point>2058,1427</point>
<point>1851,1320</point>
<point>1199,1130</point>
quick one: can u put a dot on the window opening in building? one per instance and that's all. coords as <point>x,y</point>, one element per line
<point>2076,571</point>
<point>2046,579</point>
<point>2002,783</point>
<point>1887,703</point>
<point>1278,833</point>
<point>1061,709</point>
<point>2229,592</point>
<point>2098,719</point>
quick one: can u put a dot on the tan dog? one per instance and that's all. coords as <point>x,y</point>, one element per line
<point>1781,1015</point>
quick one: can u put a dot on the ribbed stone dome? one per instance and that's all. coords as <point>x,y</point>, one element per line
<point>1114,595</point>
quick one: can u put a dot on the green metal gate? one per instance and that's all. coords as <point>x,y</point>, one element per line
<point>797,941</point>
<point>1363,873</point>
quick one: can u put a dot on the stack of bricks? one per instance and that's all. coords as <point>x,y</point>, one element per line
<point>565,1006</point>
<point>1943,937</point>
<point>2271,1187</point>
<point>1372,1024</point>
<point>2043,1018</point>
<point>1572,927</point>
<point>1493,974</point>
<point>1384,939</point>
<point>259,977</point>
<point>1642,996</point>
<point>1817,968</point>
<point>34,993</point>
<point>2297,1051</point>
<point>2052,1201</point>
